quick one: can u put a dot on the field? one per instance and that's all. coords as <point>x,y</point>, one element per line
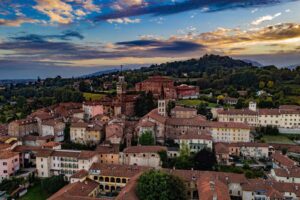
<point>193,102</point>
<point>280,139</point>
<point>35,193</point>
<point>92,96</point>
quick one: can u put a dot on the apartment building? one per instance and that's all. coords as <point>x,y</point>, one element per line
<point>91,109</point>
<point>66,162</point>
<point>9,164</point>
<point>285,118</point>
<point>55,128</point>
<point>85,133</point>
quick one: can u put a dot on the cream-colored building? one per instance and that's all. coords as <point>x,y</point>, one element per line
<point>85,133</point>
<point>196,142</point>
<point>142,156</point>
<point>230,132</point>
<point>66,162</point>
<point>286,119</point>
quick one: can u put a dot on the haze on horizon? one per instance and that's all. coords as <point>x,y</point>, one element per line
<point>75,37</point>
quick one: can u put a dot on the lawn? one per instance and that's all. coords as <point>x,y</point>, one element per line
<point>35,193</point>
<point>194,102</point>
<point>280,139</point>
<point>92,96</point>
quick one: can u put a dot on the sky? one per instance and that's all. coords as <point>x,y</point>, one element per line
<point>47,38</point>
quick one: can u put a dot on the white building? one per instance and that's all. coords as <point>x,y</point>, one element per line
<point>285,119</point>
<point>55,128</point>
<point>66,162</point>
<point>196,142</point>
<point>142,156</point>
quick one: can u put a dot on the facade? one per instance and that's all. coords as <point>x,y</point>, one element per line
<point>196,142</point>
<point>9,164</point>
<point>114,131</point>
<point>286,119</point>
<point>55,128</point>
<point>142,156</point>
<point>91,109</point>
<point>66,162</point>
<point>20,128</point>
<point>229,132</point>
<point>108,154</point>
<point>158,85</point>
<point>187,92</point>
<point>85,133</point>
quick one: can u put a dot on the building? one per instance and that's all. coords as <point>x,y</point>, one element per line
<point>229,131</point>
<point>114,131</point>
<point>282,161</point>
<point>20,128</point>
<point>91,109</point>
<point>286,118</point>
<point>32,140</point>
<point>67,162</point>
<point>108,154</point>
<point>55,128</point>
<point>9,164</point>
<point>85,133</point>
<point>230,101</point>
<point>286,175</point>
<point>158,85</point>
<point>187,92</point>
<point>142,156</point>
<point>196,141</point>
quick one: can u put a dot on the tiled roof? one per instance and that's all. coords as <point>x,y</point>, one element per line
<point>181,108</point>
<point>7,154</point>
<point>24,148</point>
<point>221,148</point>
<point>190,136</point>
<point>80,174</point>
<point>78,190</point>
<point>144,149</point>
<point>51,144</point>
<point>79,125</point>
<point>195,121</point>
<point>289,172</point>
<point>107,149</point>
<point>237,112</point>
<point>209,187</point>
<point>34,138</point>
<point>283,160</point>
<point>228,125</point>
<point>115,170</point>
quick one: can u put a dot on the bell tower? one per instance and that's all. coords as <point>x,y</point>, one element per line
<point>121,84</point>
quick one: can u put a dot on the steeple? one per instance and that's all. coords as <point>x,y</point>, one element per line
<point>121,84</point>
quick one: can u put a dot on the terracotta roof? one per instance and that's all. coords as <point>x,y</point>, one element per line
<point>114,149</point>
<point>87,154</point>
<point>51,122</point>
<point>7,154</point>
<point>228,125</point>
<point>289,107</point>
<point>144,149</point>
<point>210,187</point>
<point>4,146</point>
<point>127,171</point>
<point>181,108</point>
<point>248,144</point>
<point>195,121</point>
<point>201,136</point>
<point>44,153</point>
<point>237,112</point>
<point>146,124</point>
<point>221,148</point>
<point>92,103</point>
<point>78,190</point>
<point>129,191</point>
<point>79,125</point>
<point>24,148</point>
<point>51,144</point>
<point>289,172</point>
<point>80,174</point>
<point>283,160</point>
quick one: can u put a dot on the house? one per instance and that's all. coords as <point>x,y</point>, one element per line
<point>67,162</point>
<point>196,141</point>
<point>282,161</point>
<point>9,164</point>
<point>142,156</point>
<point>91,109</point>
<point>55,128</point>
<point>187,91</point>
<point>86,133</point>
<point>286,175</point>
<point>108,154</point>
<point>230,101</point>
<point>114,131</point>
<point>20,128</point>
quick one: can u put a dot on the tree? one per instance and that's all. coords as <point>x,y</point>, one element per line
<point>204,160</point>
<point>53,184</point>
<point>261,84</point>
<point>144,104</point>
<point>270,84</point>
<point>170,106</point>
<point>157,185</point>
<point>147,138</point>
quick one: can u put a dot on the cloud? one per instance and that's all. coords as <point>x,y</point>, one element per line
<point>124,20</point>
<point>157,9</point>
<point>16,22</point>
<point>67,35</point>
<point>265,18</point>
<point>63,12</point>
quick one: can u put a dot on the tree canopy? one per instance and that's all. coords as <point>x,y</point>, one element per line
<point>157,185</point>
<point>147,138</point>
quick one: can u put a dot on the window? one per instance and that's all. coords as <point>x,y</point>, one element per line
<point>4,163</point>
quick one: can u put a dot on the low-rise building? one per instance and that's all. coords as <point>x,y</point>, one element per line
<point>55,128</point>
<point>282,161</point>
<point>91,109</point>
<point>195,141</point>
<point>9,164</point>
<point>66,162</point>
<point>85,133</point>
<point>142,156</point>
<point>187,91</point>
<point>286,175</point>
<point>108,154</point>
<point>20,128</point>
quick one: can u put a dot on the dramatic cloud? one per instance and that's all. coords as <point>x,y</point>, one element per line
<point>16,22</point>
<point>124,20</point>
<point>265,18</point>
<point>187,5</point>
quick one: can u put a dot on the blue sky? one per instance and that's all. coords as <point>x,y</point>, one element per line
<point>73,37</point>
